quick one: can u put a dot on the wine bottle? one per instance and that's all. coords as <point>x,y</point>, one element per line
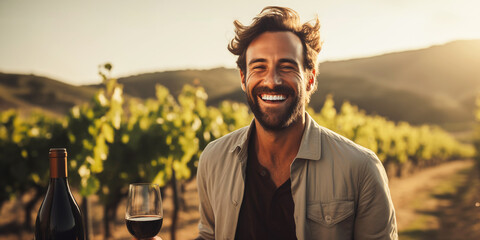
<point>59,216</point>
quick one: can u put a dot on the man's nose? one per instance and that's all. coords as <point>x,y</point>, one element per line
<point>273,78</point>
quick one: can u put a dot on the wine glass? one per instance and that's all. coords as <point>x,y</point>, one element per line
<point>144,214</point>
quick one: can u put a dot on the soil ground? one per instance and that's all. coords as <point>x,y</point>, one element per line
<point>441,202</point>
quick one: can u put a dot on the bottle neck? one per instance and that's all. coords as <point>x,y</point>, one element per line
<point>58,167</point>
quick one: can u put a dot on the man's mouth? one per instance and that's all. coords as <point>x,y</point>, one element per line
<point>273,98</point>
<point>276,95</point>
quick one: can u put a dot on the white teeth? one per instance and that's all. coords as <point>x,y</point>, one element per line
<point>273,97</point>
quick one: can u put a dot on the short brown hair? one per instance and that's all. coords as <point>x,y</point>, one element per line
<point>277,19</point>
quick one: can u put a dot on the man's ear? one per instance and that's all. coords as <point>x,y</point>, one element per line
<point>242,77</point>
<point>311,80</point>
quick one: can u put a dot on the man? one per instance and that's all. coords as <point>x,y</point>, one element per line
<point>284,176</point>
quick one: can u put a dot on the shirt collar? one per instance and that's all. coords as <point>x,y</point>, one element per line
<point>242,141</point>
<point>310,145</point>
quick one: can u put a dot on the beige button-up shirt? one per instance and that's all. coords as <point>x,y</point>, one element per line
<point>340,189</point>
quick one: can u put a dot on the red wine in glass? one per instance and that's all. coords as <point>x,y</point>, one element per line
<point>144,214</point>
<point>144,226</point>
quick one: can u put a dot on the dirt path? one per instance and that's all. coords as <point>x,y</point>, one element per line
<point>423,203</point>
<point>461,220</point>
<point>441,202</point>
<point>405,190</point>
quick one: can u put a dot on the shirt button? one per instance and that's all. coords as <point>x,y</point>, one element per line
<point>328,219</point>
<point>263,173</point>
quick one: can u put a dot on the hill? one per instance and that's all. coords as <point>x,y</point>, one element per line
<point>435,85</point>
<point>447,75</point>
<point>29,92</point>
<point>217,82</point>
<point>450,70</point>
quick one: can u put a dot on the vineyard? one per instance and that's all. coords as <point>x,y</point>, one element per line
<point>114,140</point>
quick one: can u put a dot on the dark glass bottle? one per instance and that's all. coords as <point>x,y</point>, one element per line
<point>59,216</point>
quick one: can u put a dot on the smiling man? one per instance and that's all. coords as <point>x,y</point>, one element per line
<point>284,176</point>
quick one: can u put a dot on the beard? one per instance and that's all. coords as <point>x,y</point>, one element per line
<point>273,120</point>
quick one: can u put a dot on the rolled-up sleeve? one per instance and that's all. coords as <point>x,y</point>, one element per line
<point>375,216</point>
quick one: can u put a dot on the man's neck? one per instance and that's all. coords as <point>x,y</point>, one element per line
<point>276,150</point>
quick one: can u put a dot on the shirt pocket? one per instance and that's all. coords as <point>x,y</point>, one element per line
<point>331,213</point>
<point>330,220</point>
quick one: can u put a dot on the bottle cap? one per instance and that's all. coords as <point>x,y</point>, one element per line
<point>57,153</point>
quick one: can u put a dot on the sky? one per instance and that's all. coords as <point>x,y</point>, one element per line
<point>68,40</point>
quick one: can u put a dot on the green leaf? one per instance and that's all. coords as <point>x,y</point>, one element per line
<point>90,186</point>
<point>108,132</point>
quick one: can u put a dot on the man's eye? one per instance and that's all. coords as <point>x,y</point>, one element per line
<point>288,68</point>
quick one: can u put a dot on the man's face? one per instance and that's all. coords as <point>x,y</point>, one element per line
<point>274,81</point>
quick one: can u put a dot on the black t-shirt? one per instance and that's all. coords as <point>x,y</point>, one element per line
<point>267,211</point>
